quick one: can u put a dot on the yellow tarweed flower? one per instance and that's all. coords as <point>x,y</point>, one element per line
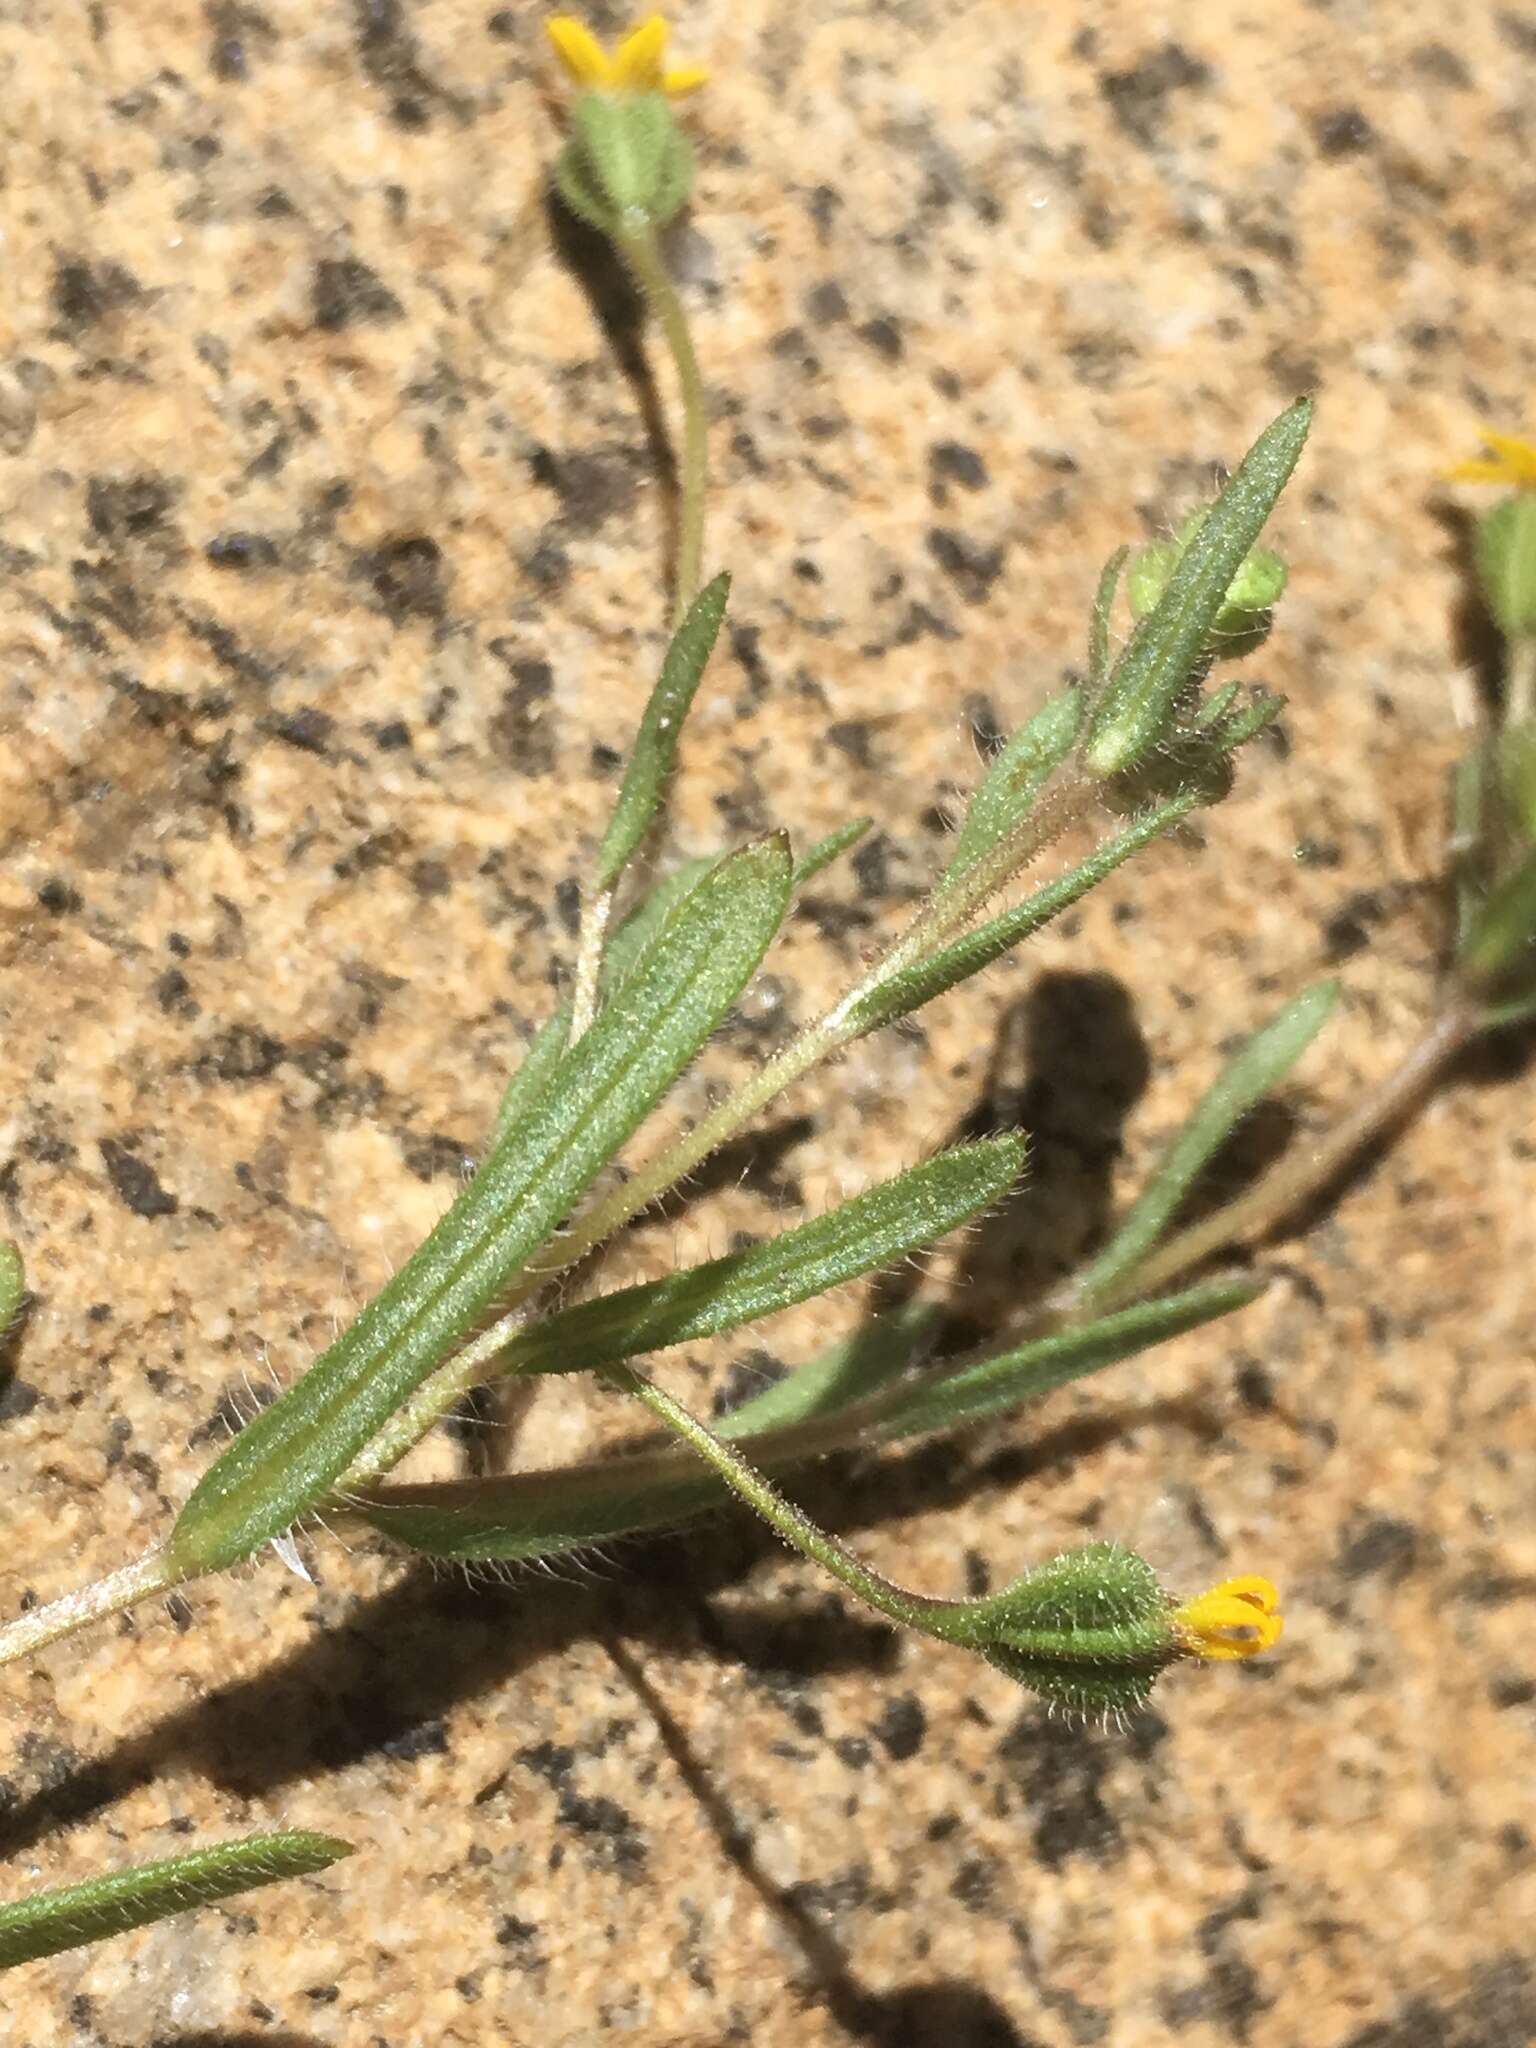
<point>634,67</point>
<point>1513,462</point>
<point>1238,1618</point>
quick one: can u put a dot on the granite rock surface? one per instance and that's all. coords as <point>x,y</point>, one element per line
<point>334,517</point>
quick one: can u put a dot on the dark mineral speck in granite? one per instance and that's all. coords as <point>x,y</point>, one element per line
<point>134,1181</point>
<point>346,292</point>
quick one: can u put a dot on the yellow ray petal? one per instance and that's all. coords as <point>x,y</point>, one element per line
<point>691,76</point>
<point>1513,462</point>
<point>637,60</point>
<point>1235,1619</point>
<point>586,62</point>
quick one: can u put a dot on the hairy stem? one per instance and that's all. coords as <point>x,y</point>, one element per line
<point>643,255</point>
<point>111,1595</point>
<point>912,1610</point>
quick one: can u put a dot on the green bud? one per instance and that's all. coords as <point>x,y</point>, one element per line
<point>1254,591</point>
<point>627,165</point>
<point>1090,1632</point>
<point>1173,645</point>
<point>1506,563</point>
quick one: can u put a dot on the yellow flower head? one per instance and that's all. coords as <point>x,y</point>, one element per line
<point>1235,1619</point>
<point>634,67</point>
<point>1513,462</point>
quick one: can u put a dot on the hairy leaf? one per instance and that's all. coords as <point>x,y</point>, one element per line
<point>546,1514</point>
<point>1034,1369</point>
<point>661,725</point>
<point>1099,623</point>
<point>13,1284</point>
<point>1018,773</point>
<point>51,1922</point>
<point>882,1225</point>
<point>841,1376</point>
<point>968,955</point>
<point>681,987</point>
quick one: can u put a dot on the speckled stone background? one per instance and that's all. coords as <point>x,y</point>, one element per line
<point>331,534</point>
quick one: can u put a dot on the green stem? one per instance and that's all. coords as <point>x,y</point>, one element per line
<point>938,1618</point>
<point>642,253</point>
<point>111,1595</point>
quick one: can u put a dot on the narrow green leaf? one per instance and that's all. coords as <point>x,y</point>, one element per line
<point>1257,1067</point>
<point>999,1384</point>
<point>686,980</point>
<point>13,1284</point>
<point>876,1228</point>
<point>51,1922</point>
<point>1019,771</point>
<point>533,1075</point>
<point>542,1060</point>
<point>969,954</point>
<point>525,1516</point>
<point>649,915</point>
<point>530,1515</point>
<point>1232,729</point>
<point>1166,649</point>
<point>1100,623</point>
<point>655,748</point>
<point>825,851</point>
<point>1214,708</point>
<point>840,1376</point>
<point>1503,934</point>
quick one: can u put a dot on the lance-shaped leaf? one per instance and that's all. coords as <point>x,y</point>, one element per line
<point>968,955</point>
<point>882,1225</point>
<point>1019,771</point>
<point>827,850</point>
<point>542,1060</point>
<point>999,1384</point>
<point>661,725</point>
<point>1259,1065</point>
<point>530,1515</point>
<point>628,942</point>
<point>1502,938</point>
<point>626,945</point>
<point>537,1069</point>
<point>51,1922</point>
<point>682,986</point>
<point>1169,645</point>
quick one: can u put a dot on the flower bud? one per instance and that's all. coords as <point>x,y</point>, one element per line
<point>1092,1631</point>
<point>1089,1632</point>
<point>627,166</point>
<point>1251,595</point>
